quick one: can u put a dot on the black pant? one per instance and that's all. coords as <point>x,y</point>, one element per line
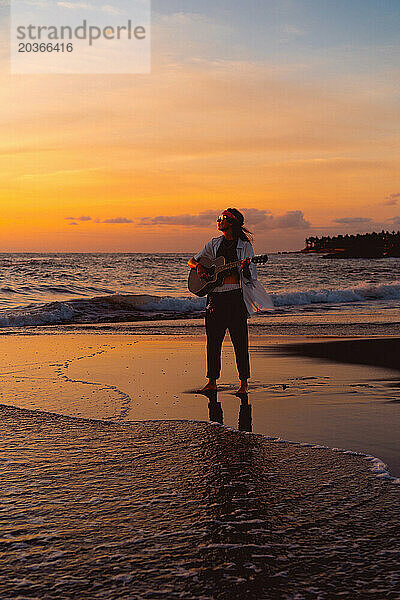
<point>227,310</point>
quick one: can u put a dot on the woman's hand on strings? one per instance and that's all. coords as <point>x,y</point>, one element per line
<point>201,271</point>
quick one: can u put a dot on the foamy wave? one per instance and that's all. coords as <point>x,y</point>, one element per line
<point>102,309</point>
<point>131,307</point>
<point>170,304</point>
<point>359,293</point>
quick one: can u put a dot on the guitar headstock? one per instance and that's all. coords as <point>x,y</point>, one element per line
<point>261,259</point>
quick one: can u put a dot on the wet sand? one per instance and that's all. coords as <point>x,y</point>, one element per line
<point>378,352</point>
<point>293,396</point>
<point>116,509</point>
<point>133,511</point>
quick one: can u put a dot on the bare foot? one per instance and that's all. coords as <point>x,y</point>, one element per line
<point>211,386</point>
<point>243,389</point>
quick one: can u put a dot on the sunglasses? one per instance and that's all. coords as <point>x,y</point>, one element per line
<point>224,218</point>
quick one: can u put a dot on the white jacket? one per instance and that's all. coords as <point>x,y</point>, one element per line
<point>254,295</point>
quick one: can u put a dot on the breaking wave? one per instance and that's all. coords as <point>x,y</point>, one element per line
<point>103,309</point>
<point>132,307</point>
<point>358,293</point>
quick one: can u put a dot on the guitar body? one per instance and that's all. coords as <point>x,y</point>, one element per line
<point>216,270</point>
<point>202,287</point>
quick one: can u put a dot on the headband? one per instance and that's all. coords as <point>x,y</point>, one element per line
<point>230,215</point>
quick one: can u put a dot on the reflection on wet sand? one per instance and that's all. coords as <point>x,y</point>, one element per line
<point>245,421</point>
<point>216,413</point>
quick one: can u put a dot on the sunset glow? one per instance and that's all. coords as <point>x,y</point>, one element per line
<point>291,109</point>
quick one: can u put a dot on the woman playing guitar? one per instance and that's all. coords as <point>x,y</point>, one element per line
<point>230,304</point>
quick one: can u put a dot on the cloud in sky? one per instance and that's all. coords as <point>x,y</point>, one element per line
<point>75,5</point>
<point>37,3</point>
<point>108,8</point>
<point>292,219</point>
<point>264,219</point>
<point>395,221</point>
<point>254,217</point>
<point>392,199</point>
<point>112,10</point>
<point>352,220</point>
<point>358,225</point>
<point>288,30</point>
<point>117,220</point>
<point>203,219</point>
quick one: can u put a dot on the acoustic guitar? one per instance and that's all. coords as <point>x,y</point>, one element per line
<point>201,286</point>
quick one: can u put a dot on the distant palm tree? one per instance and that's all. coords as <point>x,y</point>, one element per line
<point>366,244</point>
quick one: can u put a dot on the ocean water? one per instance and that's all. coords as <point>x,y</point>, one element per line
<point>307,291</point>
<point>186,511</point>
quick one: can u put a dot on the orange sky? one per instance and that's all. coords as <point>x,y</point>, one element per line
<point>197,134</point>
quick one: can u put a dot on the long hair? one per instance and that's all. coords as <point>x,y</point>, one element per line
<point>238,228</point>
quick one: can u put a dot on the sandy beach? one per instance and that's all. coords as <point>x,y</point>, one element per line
<point>295,394</point>
<point>115,486</point>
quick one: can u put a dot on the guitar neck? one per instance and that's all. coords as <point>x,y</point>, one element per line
<point>229,266</point>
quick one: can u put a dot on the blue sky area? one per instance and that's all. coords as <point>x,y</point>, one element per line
<point>270,28</point>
